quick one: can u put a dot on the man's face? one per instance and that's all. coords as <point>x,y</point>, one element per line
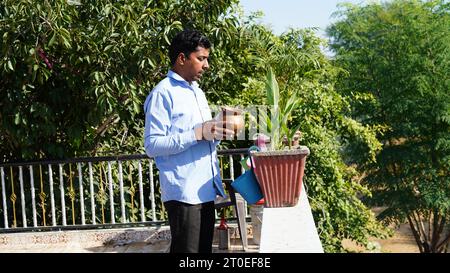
<point>196,64</point>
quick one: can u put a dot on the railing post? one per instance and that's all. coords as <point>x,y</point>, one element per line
<point>111,193</point>
<point>33,197</point>
<point>230,157</point>
<point>91,190</point>
<point>52,197</point>
<point>5,207</point>
<point>63,201</point>
<point>80,180</point>
<point>22,198</point>
<point>152,191</point>
<point>141,192</point>
<point>122,198</point>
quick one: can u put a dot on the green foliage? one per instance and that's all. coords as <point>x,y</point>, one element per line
<point>303,90</point>
<point>75,76</point>
<point>397,56</point>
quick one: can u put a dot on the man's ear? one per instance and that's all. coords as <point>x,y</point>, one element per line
<point>181,59</point>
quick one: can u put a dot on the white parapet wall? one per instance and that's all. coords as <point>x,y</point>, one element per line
<point>290,230</point>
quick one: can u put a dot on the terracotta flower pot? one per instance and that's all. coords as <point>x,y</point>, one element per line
<point>280,175</point>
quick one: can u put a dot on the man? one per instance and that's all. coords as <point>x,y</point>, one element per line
<point>182,137</point>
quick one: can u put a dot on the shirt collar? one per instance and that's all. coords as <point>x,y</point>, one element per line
<point>172,74</point>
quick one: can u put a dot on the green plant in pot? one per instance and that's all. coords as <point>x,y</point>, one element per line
<point>280,169</point>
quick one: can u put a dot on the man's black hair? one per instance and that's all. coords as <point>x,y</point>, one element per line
<point>187,42</point>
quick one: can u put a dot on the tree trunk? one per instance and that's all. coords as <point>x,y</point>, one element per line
<point>437,239</point>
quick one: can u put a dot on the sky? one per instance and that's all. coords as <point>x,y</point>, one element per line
<point>282,14</point>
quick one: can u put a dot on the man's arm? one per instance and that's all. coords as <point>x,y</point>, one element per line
<point>157,140</point>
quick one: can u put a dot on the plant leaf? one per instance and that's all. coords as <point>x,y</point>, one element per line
<point>272,90</point>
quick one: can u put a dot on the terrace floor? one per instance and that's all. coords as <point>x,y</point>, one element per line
<point>130,240</point>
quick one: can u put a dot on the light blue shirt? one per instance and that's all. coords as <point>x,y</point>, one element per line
<point>188,169</point>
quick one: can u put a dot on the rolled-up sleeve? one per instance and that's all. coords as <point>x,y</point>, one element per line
<point>158,140</point>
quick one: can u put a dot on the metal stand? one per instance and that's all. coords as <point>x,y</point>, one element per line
<point>238,203</point>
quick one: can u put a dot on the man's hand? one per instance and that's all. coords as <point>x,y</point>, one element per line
<point>214,130</point>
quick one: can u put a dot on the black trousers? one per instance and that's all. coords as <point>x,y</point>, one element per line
<point>191,226</point>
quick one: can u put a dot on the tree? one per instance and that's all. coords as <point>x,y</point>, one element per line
<point>73,77</point>
<point>398,63</point>
<point>305,74</point>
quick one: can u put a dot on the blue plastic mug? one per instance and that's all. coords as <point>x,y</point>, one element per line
<point>247,185</point>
